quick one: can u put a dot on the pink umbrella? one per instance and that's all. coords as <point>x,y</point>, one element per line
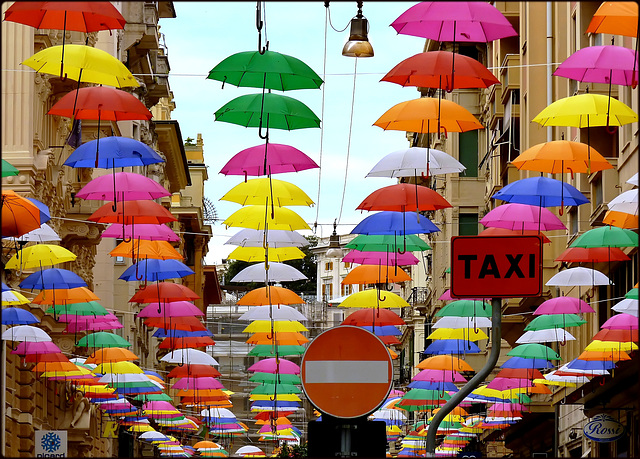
<point>601,64</point>
<point>158,405</point>
<point>75,327</point>
<point>384,258</point>
<point>147,231</point>
<point>87,319</point>
<point>621,322</point>
<point>286,367</point>
<point>439,375</point>
<point>446,296</point>
<point>508,383</point>
<point>128,186</point>
<point>36,347</point>
<point>171,309</point>
<point>500,406</point>
<point>205,382</point>
<point>522,217</point>
<point>563,305</point>
<point>277,160</point>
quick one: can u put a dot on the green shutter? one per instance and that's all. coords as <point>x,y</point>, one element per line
<point>469,153</point>
<point>468,225</point>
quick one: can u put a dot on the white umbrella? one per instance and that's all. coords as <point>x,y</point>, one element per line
<point>413,161</point>
<point>153,435</point>
<point>389,414</point>
<point>189,356</point>
<point>634,179</point>
<point>277,311</point>
<point>578,276</point>
<point>277,272</point>
<point>9,297</point>
<point>627,306</point>
<point>43,234</point>
<point>626,202</point>
<point>546,335</point>
<point>462,322</point>
<point>593,372</point>
<point>337,300</point>
<point>25,333</point>
<point>502,418</point>
<point>123,378</point>
<point>551,376</point>
<point>248,449</point>
<point>249,237</point>
<point>217,413</point>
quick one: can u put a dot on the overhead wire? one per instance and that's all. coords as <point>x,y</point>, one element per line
<point>346,165</point>
<point>324,87</point>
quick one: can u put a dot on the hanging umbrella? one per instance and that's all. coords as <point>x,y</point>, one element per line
<point>142,248</point>
<point>264,326</point>
<point>262,191</point>
<point>249,237</point>
<point>274,365</point>
<point>495,231</point>
<point>142,211</point>
<point>11,298</point>
<point>444,362</point>
<point>586,110</point>
<point>372,274</point>
<point>17,316</point>
<point>380,258</point>
<point>254,217</point>
<point>115,152</point>
<point>82,63</point>
<point>42,234</point>
<point>146,231</point>
<point>626,202</point>
<point>373,298</point>
<point>465,308</point>
<point>617,18</point>
<point>100,103</point>
<point>152,269</point>
<point>387,243</point>
<point>606,236</point>
<point>277,272</point>
<point>462,322</point>
<point>103,339</point>
<point>53,278</point>
<point>269,295</point>
<point>69,295</point>
<point>8,170</point>
<point>534,351</point>
<point>111,354</point>
<point>592,255</point>
<point>125,186</point>
<point>563,305</point>
<point>279,159</point>
<point>468,334</point>
<point>601,64</point>
<point>561,156</point>
<point>414,162</point>
<point>403,197</point>
<point>381,317</point>
<point>619,335</point>
<point>66,311</point>
<point>19,215</point>
<point>38,256</point>
<point>627,306</point>
<point>25,333</point>
<point>621,322</point>
<point>257,254</point>
<point>277,312</point>
<point>517,216</point>
<point>190,356</point>
<point>547,321</point>
<point>451,346</point>
<point>578,276</point>
<point>396,223</point>
<point>193,370</point>
<point>172,324</point>
<point>541,191</point>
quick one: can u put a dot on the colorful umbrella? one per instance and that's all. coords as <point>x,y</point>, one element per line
<point>126,186</point>
<point>380,258</point>
<point>270,295</point>
<point>592,254</point>
<point>373,298</point>
<point>25,333</point>
<point>563,305</point>
<point>257,217</point>
<point>396,223</point>
<point>38,256</point>
<point>606,236</point>
<point>578,276</point>
<point>279,159</point>
<point>8,170</point>
<point>555,321</point>
<point>534,351</point>
<point>617,18</point>
<point>586,110</point>
<point>601,64</point>
<point>403,197</point>
<point>561,156</point>
<point>276,272</point>
<point>372,274</point>
<point>19,215</point>
<point>265,191</point>
<point>17,316</point>
<point>43,234</point>
<point>258,254</point>
<point>103,339</point>
<point>165,292</point>
<point>116,152</point>
<point>53,278</point>
<point>414,162</point>
<point>277,312</point>
<point>541,191</point>
<point>387,243</point>
<point>517,216</point>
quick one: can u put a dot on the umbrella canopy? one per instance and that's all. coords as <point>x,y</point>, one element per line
<point>43,234</point>
<point>142,248</point>
<point>534,351</point>
<point>153,269</point>
<point>103,339</point>
<point>111,354</point>
<point>415,161</point>
<point>620,219</point>
<point>129,212</point>
<point>444,362</point>
<point>397,223</point>
<point>380,317</point>
<point>66,311</point>
<point>426,115</point>
<point>262,191</point>
<point>53,278</point>
<point>585,110</point>
<point>621,322</point>
<point>601,64</point>
<point>606,236</point>
<point>628,306</point>
<point>100,102</point>
<point>253,254</point>
<point>279,159</point>
<point>8,170</point>
<point>372,274</point>
<point>164,292</point>
<point>276,272</point>
<point>86,63</point>
<point>19,215</point>
<point>380,258</point>
<point>193,370</point>
<point>269,111</point>
<point>620,335</point>
<point>59,296</point>
<point>404,197</point>
<point>541,191</point>
<point>190,356</point>
<point>275,312</point>
<point>275,365</point>
<point>38,256</point>
<point>546,335</point>
<point>25,333</point>
<point>467,334</point>
<point>546,321</point>
<point>114,152</point>
<point>387,243</point>
<point>249,237</point>
<point>440,375</point>
<point>466,308</point>
<point>495,231</point>
<point>270,295</point>
<point>561,156</point>
<point>452,346</point>
<point>256,217</point>
<point>618,18</point>
<point>592,254</point>
<point>373,298</point>
<point>518,216</point>
<point>267,70</point>
<point>10,298</point>
<point>146,231</point>
<point>264,326</point>
<point>17,316</point>
<point>563,305</point>
<point>126,186</point>
<point>462,322</point>
<point>578,276</point>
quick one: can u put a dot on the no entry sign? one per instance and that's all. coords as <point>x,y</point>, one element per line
<point>347,372</point>
<point>496,267</point>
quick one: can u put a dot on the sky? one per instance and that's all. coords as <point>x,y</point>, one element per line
<point>205,33</point>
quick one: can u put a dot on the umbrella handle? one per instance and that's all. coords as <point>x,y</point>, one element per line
<point>379,297</point>
<point>611,130</point>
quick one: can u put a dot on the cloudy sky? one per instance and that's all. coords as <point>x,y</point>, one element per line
<point>205,33</point>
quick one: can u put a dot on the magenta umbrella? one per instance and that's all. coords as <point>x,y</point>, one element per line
<point>273,365</point>
<point>158,405</point>
<point>601,64</point>
<point>506,406</point>
<point>36,347</point>
<point>509,383</point>
<point>98,325</point>
<point>171,309</point>
<point>205,382</point>
<point>522,217</point>
<point>273,158</point>
<point>146,231</point>
<point>384,258</point>
<point>621,322</point>
<point>128,186</point>
<point>439,376</point>
<point>563,305</point>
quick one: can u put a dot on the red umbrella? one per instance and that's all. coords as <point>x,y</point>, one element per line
<point>188,323</point>
<point>100,103</point>
<point>619,335</point>
<point>592,254</point>
<point>186,342</point>
<point>140,211</point>
<point>404,197</point>
<point>381,317</point>
<point>521,373</point>
<point>495,231</point>
<point>193,370</point>
<point>164,292</point>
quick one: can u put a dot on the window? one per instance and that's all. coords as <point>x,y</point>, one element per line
<point>469,152</point>
<point>118,260</point>
<point>573,220</point>
<point>346,290</point>
<point>347,265</point>
<point>468,224</point>
<point>327,291</point>
<point>328,266</point>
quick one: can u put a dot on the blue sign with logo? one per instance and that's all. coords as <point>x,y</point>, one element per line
<point>603,428</point>
<point>51,443</point>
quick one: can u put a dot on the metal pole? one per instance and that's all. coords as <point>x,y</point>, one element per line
<point>496,337</point>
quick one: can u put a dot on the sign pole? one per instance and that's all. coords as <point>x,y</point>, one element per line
<point>496,337</point>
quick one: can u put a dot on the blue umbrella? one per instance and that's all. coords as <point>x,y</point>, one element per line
<point>398,223</point>
<point>160,333</point>
<point>541,191</point>
<point>452,346</point>
<point>18,316</point>
<point>114,152</point>
<point>53,278</point>
<point>5,287</point>
<point>383,330</point>
<point>152,269</point>
<point>578,364</point>
<point>153,373</point>
<point>433,385</point>
<point>45,213</point>
<point>521,362</point>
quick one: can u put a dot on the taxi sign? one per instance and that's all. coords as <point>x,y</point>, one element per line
<point>346,372</point>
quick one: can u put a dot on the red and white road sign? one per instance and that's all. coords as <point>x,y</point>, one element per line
<point>346,372</point>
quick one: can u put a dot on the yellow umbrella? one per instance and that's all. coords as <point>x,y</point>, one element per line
<point>283,397</point>
<point>606,346</point>
<point>83,63</point>
<point>256,254</point>
<point>554,382</point>
<point>118,368</point>
<point>38,256</point>
<point>468,334</point>
<point>141,428</point>
<point>264,326</point>
<point>255,217</point>
<point>14,299</point>
<point>262,191</point>
<point>373,298</point>
<point>620,219</point>
<point>585,110</point>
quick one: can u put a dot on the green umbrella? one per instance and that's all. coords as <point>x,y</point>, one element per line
<point>425,394</point>
<point>633,293</point>
<point>466,308</point>
<point>534,351</point>
<point>275,111</point>
<point>103,339</point>
<point>8,169</point>
<point>270,70</point>
<point>271,378</point>
<point>386,243</point>
<point>555,321</point>
<point>266,350</point>
<point>81,309</point>
<point>153,397</point>
<point>270,389</point>
<point>606,236</point>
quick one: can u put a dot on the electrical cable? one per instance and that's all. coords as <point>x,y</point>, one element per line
<point>324,86</point>
<point>346,166</point>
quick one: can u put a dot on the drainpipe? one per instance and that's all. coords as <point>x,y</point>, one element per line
<point>549,61</point>
<point>496,339</point>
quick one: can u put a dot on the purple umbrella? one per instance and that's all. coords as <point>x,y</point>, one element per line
<point>563,305</point>
<point>517,216</point>
<point>128,186</point>
<point>621,322</point>
<point>509,383</point>
<point>601,64</point>
<point>146,231</point>
<point>33,347</point>
<point>273,158</point>
<point>205,382</point>
<point>382,258</point>
<point>171,309</point>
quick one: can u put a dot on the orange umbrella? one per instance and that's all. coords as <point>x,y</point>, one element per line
<point>206,444</point>
<point>279,338</point>
<point>375,274</point>
<point>53,357</point>
<point>494,231</point>
<point>425,116</point>
<point>202,393</point>
<point>189,323</point>
<point>131,212</point>
<point>270,295</point>
<point>142,248</point>
<point>616,18</point>
<point>561,156</point>
<point>111,354</point>
<point>65,295</point>
<point>167,292</point>
<point>613,355</point>
<point>538,389</point>
<point>54,366</point>
<point>444,362</point>
<point>19,215</point>
<point>456,411</point>
<point>620,219</point>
